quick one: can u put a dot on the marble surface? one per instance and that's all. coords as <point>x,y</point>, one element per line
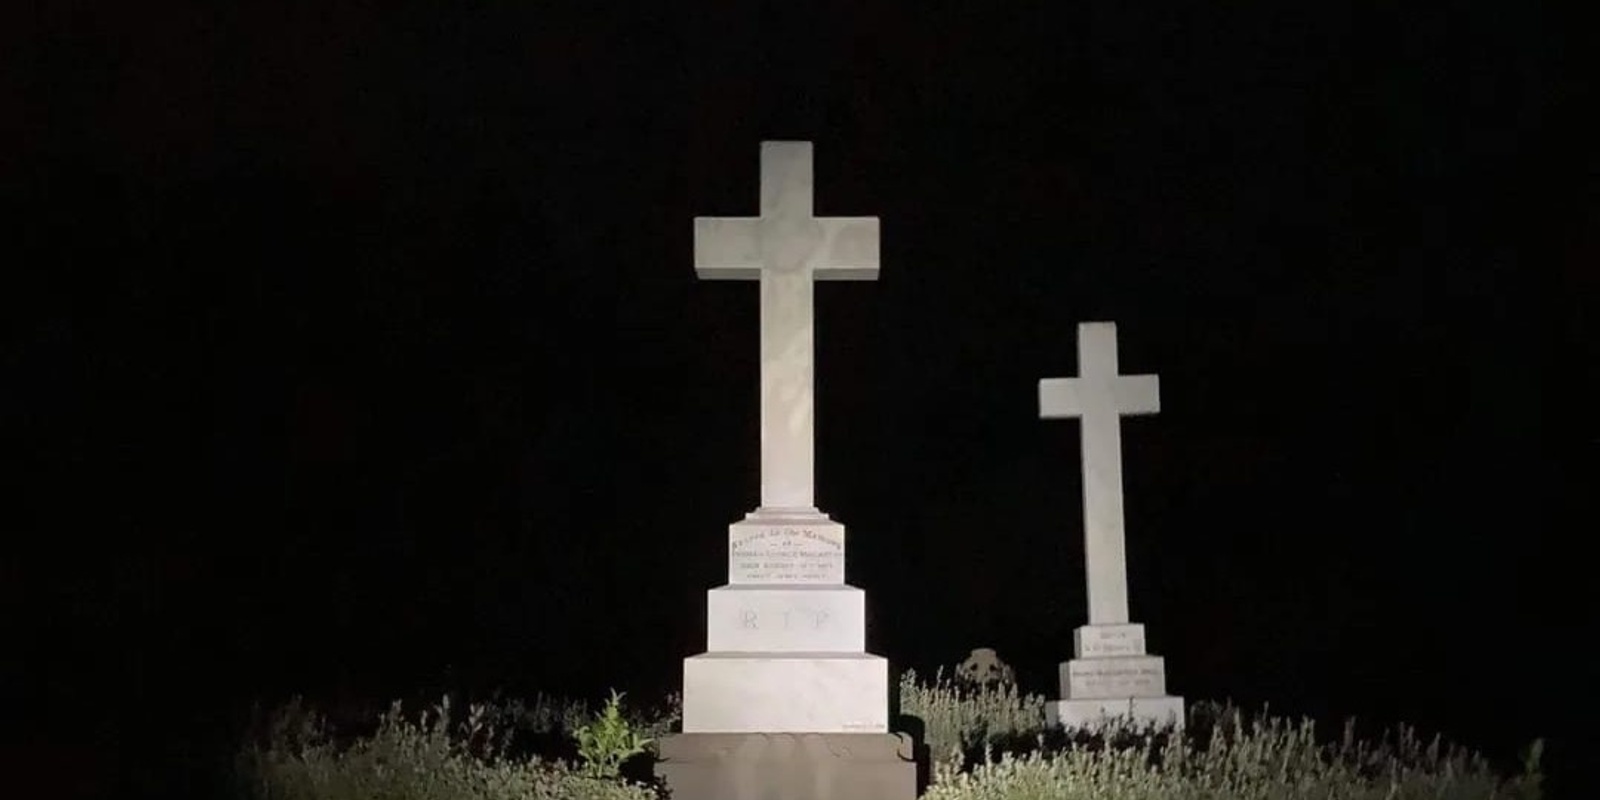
<point>1095,641</point>
<point>786,548</point>
<point>786,619</point>
<point>787,692</point>
<point>1099,397</point>
<point>1095,713</point>
<point>786,636</point>
<point>1113,676</point>
<point>785,249</point>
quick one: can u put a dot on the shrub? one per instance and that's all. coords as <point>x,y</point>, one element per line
<point>958,718</point>
<point>608,740</point>
<point>405,760</point>
<point>1264,759</point>
<point>544,714</point>
<point>987,744</point>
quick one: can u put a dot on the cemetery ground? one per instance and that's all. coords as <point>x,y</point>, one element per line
<point>975,741</point>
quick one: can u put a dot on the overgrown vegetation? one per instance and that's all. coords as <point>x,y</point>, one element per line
<point>429,758</point>
<point>958,718</point>
<point>986,743</point>
<point>1230,756</point>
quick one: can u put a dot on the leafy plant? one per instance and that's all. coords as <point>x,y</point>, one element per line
<point>957,718</point>
<point>426,759</point>
<point>1260,758</point>
<point>661,720</point>
<point>608,739</point>
<point>987,744</point>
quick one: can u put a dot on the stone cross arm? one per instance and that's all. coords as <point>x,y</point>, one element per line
<point>1065,398</point>
<point>732,248</point>
<point>787,237</point>
<point>785,250</point>
<point>1098,390</point>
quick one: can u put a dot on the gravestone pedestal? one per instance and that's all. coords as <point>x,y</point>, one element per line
<point>786,637</point>
<point>1112,679</point>
<point>788,766</point>
<point>786,704</point>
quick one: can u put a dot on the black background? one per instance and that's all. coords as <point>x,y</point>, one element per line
<point>358,351</point>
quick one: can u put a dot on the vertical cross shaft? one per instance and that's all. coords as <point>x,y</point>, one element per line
<point>788,373</point>
<point>785,249</point>
<point>1099,396</point>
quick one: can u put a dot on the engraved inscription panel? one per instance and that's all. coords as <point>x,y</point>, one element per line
<point>785,553</point>
<point>1114,677</point>
<point>773,618</point>
<point>784,619</point>
<point>1096,641</point>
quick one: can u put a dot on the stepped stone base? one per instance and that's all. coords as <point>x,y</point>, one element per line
<point>1113,682</point>
<point>788,766</point>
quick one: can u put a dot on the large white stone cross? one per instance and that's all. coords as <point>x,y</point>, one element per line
<point>1100,396</point>
<point>785,248</point>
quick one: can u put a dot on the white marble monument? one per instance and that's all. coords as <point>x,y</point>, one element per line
<point>1111,675</point>
<point>786,649</point>
<point>786,702</point>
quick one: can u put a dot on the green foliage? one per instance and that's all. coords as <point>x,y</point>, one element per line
<point>663,719</point>
<point>608,740</point>
<point>1264,759</point>
<point>957,718</point>
<point>987,744</point>
<point>404,760</point>
<point>548,715</point>
<point>543,714</point>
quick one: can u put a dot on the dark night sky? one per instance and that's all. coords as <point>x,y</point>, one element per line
<point>355,345</point>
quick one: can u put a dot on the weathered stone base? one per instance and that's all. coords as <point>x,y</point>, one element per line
<point>788,766</point>
<point>1098,712</point>
<point>785,692</point>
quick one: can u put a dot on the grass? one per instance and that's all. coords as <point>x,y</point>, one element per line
<point>985,743</point>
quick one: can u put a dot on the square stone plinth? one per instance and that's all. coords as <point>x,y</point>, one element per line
<point>1102,712</point>
<point>785,693</point>
<point>1115,676</point>
<point>786,619</point>
<point>785,548</point>
<point>1098,641</point>
<point>787,766</point>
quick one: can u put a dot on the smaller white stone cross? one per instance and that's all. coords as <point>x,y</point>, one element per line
<point>1100,396</point>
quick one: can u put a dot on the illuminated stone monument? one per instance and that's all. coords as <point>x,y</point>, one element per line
<point>1110,675</point>
<point>786,702</point>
